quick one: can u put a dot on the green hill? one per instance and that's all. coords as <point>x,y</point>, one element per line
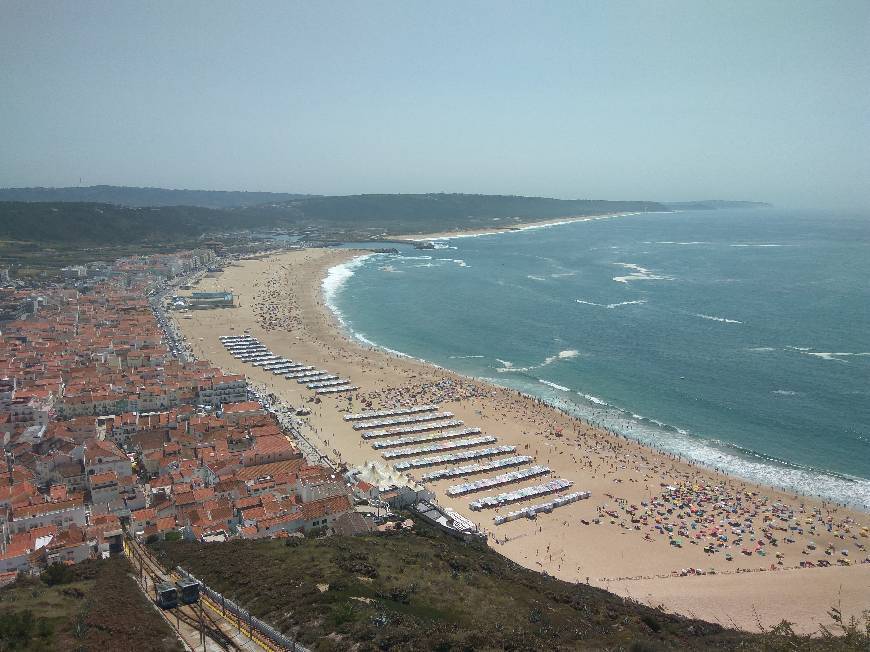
<point>102,224</point>
<point>423,590</point>
<point>95,605</point>
<point>132,196</point>
<point>71,223</point>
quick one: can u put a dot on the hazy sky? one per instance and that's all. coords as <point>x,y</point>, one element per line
<point>616,100</point>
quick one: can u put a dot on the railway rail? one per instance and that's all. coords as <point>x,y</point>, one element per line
<point>226,626</point>
<point>199,625</point>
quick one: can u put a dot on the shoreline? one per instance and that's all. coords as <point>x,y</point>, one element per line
<point>618,471</point>
<point>498,230</point>
<point>745,456</point>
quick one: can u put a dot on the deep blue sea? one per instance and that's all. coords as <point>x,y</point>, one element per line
<point>737,338</point>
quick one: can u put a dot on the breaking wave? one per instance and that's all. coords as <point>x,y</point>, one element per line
<point>724,320</point>
<point>639,274</point>
<point>553,385</point>
<point>611,306</point>
<point>508,367</point>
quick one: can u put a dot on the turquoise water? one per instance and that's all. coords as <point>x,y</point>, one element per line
<point>740,339</point>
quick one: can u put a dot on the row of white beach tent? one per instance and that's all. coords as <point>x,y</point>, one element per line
<point>450,458</point>
<point>498,480</point>
<point>472,469</point>
<point>408,422</point>
<point>326,383</point>
<point>394,421</point>
<point>442,446</point>
<point>372,414</point>
<point>406,430</point>
<point>336,390</point>
<point>420,439</point>
<point>304,373</point>
<point>317,377</point>
<point>498,500</point>
<point>533,510</point>
<point>249,349</point>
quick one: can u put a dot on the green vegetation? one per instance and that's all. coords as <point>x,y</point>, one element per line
<point>363,215</point>
<point>426,591</point>
<point>104,224</point>
<point>404,214</point>
<point>59,574</point>
<point>33,260</point>
<point>130,196</point>
<point>95,605</point>
<point>39,237</point>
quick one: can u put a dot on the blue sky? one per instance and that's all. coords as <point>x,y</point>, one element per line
<point>615,100</point>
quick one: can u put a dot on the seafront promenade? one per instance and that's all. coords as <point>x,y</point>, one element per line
<point>653,528</point>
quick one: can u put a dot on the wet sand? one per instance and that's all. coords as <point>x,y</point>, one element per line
<point>281,304</point>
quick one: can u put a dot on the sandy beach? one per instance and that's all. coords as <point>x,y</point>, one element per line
<point>622,538</point>
<point>499,226</point>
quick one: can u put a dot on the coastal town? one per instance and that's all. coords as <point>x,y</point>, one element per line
<point>135,408</point>
<point>417,327</point>
<point>110,429</point>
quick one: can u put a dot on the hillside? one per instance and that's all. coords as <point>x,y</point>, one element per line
<point>132,196</point>
<point>358,216</point>
<point>94,605</point>
<point>73,223</point>
<point>426,591</point>
<point>405,213</point>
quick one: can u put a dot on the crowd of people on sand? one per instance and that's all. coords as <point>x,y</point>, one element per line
<point>683,506</point>
<point>735,520</point>
<point>274,301</point>
<point>436,392</point>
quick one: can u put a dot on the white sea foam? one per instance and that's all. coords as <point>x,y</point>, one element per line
<point>833,356</point>
<point>671,242</point>
<point>752,244</point>
<point>563,274</point>
<point>553,385</point>
<point>463,357</point>
<point>508,367</point>
<point>761,349</point>
<point>731,459</point>
<point>536,278</point>
<point>391,269</point>
<point>611,306</point>
<point>365,340</point>
<point>785,392</point>
<point>336,277</point>
<point>719,319</point>
<point>639,274</point>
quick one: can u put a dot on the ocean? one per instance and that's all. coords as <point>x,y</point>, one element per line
<point>739,339</point>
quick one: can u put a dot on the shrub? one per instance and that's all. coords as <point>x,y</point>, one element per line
<point>58,574</point>
<point>651,622</point>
